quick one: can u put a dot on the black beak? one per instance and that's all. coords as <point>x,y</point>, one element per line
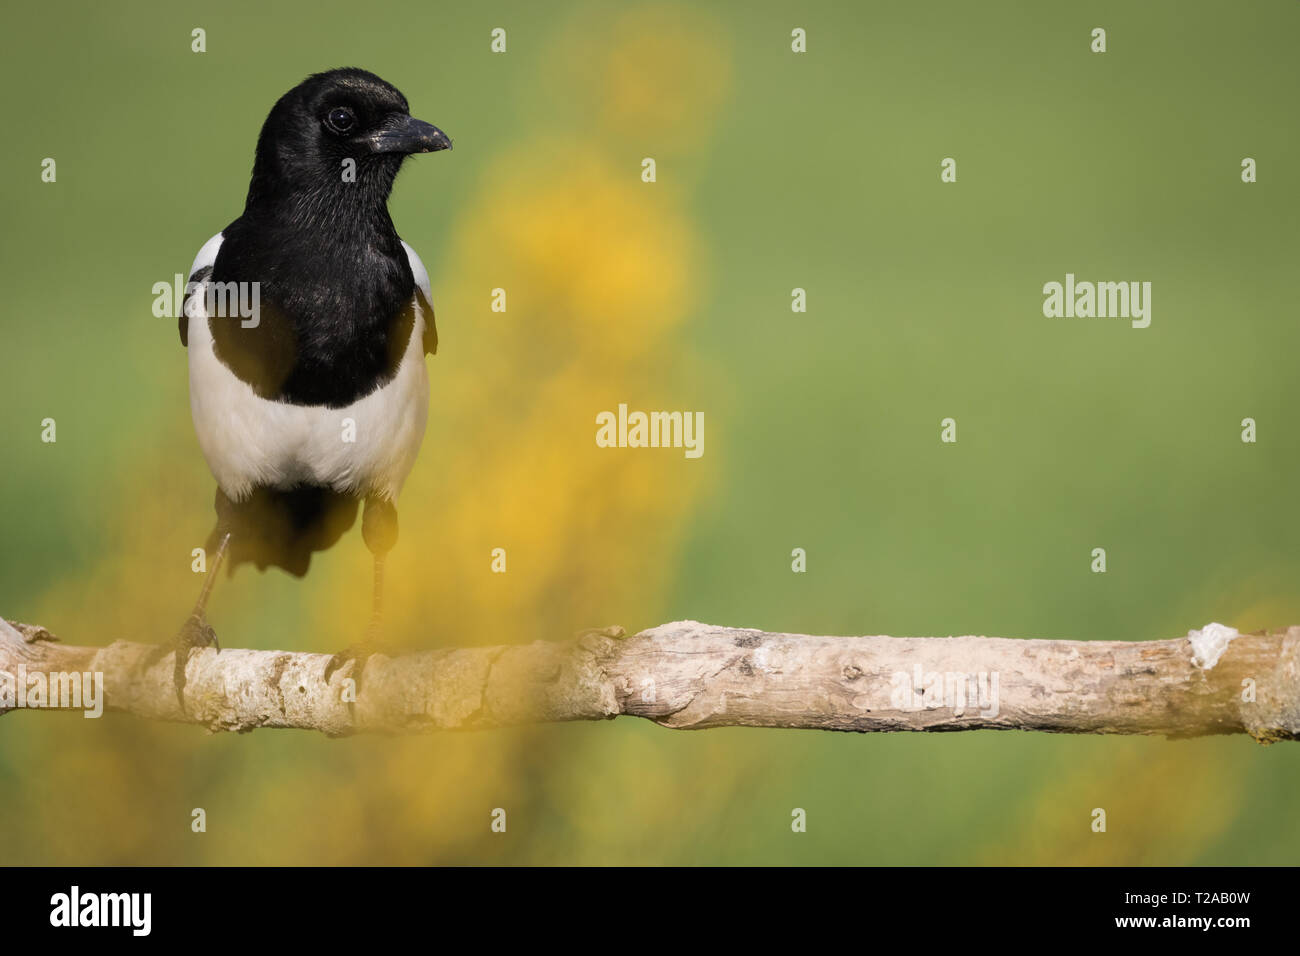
<point>407,135</point>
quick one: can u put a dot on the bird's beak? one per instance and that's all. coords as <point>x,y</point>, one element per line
<point>408,135</point>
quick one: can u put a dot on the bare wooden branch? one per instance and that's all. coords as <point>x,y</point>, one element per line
<point>689,675</point>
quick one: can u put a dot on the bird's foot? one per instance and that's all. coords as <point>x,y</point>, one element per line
<point>358,654</point>
<point>195,634</point>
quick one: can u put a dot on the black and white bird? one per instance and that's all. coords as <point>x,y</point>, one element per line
<point>317,402</point>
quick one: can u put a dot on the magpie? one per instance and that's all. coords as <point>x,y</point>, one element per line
<point>315,402</point>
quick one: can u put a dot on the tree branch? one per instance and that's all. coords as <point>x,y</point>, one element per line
<point>688,675</point>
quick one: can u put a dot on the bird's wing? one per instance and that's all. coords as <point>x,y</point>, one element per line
<point>199,273</point>
<point>423,293</point>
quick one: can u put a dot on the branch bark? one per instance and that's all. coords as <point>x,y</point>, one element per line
<point>688,675</point>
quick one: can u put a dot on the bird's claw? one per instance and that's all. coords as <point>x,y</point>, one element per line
<point>195,634</point>
<point>338,660</point>
<point>358,654</point>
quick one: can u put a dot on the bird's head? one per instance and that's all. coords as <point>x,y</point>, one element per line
<point>339,129</point>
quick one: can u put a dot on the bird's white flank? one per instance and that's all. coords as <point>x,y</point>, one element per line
<point>249,441</point>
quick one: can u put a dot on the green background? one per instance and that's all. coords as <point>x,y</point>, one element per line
<point>775,171</point>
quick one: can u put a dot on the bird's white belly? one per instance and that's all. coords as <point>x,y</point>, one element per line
<point>366,448</point>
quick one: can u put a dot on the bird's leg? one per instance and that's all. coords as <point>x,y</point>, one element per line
<point>195,633</point>
<point>379,528</point>
<point>373,630</point>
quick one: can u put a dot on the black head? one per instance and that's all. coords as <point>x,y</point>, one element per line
<point>329,119</point>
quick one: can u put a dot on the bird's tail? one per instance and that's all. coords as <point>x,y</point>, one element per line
<point>278,528</point>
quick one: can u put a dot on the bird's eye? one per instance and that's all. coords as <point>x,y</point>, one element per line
<point>341,120</point>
